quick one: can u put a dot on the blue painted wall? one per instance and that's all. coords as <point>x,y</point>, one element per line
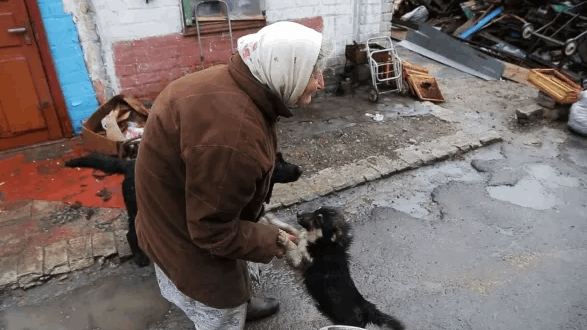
<point>68,57</point>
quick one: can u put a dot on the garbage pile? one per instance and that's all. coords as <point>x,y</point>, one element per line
<point>530,34</point>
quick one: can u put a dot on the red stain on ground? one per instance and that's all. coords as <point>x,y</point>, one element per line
<point>50,180</point>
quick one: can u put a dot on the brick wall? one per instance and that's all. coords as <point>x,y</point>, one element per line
<point>141,46</point>
<point>68,57</point>
<point>145,66</point>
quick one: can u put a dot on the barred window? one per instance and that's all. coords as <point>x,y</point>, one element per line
<point>216,11</point>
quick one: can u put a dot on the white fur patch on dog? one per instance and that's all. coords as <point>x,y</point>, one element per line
<point>297,251</point>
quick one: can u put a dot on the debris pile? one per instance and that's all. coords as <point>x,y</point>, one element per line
<point>530,34</point>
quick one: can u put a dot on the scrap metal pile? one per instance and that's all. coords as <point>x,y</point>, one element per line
<point>530,34</point>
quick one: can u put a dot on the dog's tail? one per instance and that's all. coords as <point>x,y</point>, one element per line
<point>379,318</point>
<point>106,164</point>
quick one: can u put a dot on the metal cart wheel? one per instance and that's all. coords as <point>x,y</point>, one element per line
<point>527,30</point>
<point>373,95</point>
<point>570,47</point>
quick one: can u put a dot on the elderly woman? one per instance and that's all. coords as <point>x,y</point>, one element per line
<point>203,171</point>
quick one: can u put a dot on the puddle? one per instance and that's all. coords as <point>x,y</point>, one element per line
<point>537,190</point>
<point>109,303</point>
<point>527,193</point>
<point>550,178</point>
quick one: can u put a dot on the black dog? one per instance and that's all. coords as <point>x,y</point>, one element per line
<point>111,165</point>
<point>284,172</point>
<point>324,263</point>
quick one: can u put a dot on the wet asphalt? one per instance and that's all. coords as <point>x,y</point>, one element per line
<point>495,240</point>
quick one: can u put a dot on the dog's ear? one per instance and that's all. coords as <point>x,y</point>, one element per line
<point>279,157</point>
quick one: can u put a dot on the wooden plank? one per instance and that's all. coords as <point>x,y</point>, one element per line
<point>398,34</point>
<point>515,73</point>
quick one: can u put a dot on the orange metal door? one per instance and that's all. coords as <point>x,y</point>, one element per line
<point>27,111</point>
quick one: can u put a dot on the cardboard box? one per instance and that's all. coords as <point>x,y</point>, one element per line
<point>94,134</point>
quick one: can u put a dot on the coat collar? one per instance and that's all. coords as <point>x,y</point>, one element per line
<point>270,104</point>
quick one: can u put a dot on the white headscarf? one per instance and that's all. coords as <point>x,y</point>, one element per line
<point>282,57</point>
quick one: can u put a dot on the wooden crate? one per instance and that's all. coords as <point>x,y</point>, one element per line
<point>555,85</point>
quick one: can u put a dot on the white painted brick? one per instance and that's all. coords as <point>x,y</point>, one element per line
<point>142,30</point>
<point>133,16</point>
<point>370,9</point>
<point>340,2</point>
<point>106,5</point>
<point>371,2</point>
<point>345,9</point>
<point>369,28</point>
<point>386,17</point>
<point>328,10</point>
<point>131,4</point>
<point>279,4</point>
<point>386,7</point>
<point>293,13</point>
<point>349,39</point>
<point>329,23</point>
<point>304,2</point>
<point>369,19</point>
<point>328,2</point>
<point>364,36</point>
<point>385,26</point>
<point>344,25</point>
<point>309,11</point>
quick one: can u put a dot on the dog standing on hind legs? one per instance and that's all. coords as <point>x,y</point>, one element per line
<point>320,253</point>
<point>284,172</point>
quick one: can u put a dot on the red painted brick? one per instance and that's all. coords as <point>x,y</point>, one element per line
<point>156,54</point>
<point>188,47</point>
<point>188,60</point>
<point>240,33</point>
<point>123,57</point>
<point>127,82</point>
<point>126,69</point>
<point>218,57</point>
<point>155,66</point>
<point>158,76</point>
<point>161,41</point>
<point>122,47</point>
<point>145,91</point>
<point>316,23</point>
<point>219,45</point>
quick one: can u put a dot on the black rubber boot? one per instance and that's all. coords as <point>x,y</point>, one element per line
<point>259,307</point>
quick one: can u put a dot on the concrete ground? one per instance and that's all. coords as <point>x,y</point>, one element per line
<point>490,239</point>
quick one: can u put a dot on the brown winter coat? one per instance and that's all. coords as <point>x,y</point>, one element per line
<point>202,173</point>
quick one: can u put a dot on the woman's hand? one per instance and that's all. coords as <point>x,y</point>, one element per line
<point>285,242</point>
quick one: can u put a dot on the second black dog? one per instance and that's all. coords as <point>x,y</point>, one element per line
<point>284,172</point>
<point>325,267</point>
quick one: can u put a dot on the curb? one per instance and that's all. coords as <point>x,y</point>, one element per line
<point>36,265</point>
<point>335,179</point>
